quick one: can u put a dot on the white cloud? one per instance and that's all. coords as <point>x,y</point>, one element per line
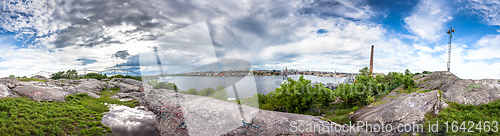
<point>428,19</point>
<point>24,62</point>
<point>487,10</point>
<point>488,47</point>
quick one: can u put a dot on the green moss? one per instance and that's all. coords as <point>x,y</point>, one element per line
<point>339,114</point>
<point>79,114</point>
<point>472,87</point>
<point>409,90</point>
<point>425,91</point>
<point>464,113</point>
<point>30,79</point>
<point>379,103</point>
<point>440,94</point>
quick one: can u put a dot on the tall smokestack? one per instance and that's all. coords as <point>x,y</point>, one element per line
<point>371,63</point>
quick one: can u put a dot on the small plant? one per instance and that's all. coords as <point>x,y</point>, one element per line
<point>472,87</point>
<point>379,103</point>
<point>428,90</point>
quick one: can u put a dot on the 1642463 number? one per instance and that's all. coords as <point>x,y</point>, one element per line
<point>471,126</point>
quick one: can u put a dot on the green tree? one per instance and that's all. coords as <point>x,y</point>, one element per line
<point>365,71</point>
<point>298,96</point>
<point>192,91</point>
<point>25,77</point>
<point>12,76</point>
<point>206,92</point>
<point>95,76</point>
<point>71,74</point>
<point>220,93</point>
<point>407,72</point>
<point>409,82</point>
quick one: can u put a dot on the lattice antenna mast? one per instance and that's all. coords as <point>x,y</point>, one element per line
<point>158,60</point>
<point>449,47</point>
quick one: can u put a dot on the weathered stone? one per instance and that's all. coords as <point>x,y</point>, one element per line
<point>41,92</point>
<point>125,88</point>
<point>6,92</point>
<point>90,85</point>
<point>466,91</point>
<point>142,87</point>
<point>134,95</point>
<point>405,109</point>
<point>70,89</point>
<point>183,114</point>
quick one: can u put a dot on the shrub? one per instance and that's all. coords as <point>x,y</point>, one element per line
<point>12,76</point>
<point>192,91</point>
<point>95,76</point>
<point>220,93</point>
<point>207,91</point>
<point>426,72</point>
<point>298,96</point>
<point>126,76</point>
<point>409,82</point>
<point>70,74</point>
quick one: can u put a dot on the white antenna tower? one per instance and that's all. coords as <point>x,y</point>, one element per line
<point>449,47</point>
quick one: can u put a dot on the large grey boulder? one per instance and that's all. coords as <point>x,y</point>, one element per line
<point>466,91</point>
<point>130,85</point>
<point>40,91</point>
<point>6,92</point>
<point>10,82</point>
<point>405,109</point>
<point>90,85</point>
<point>126,88</point>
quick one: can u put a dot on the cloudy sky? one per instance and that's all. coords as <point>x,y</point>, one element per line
<point>303,34</point>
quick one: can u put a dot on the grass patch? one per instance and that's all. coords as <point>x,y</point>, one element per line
<point>409,90</point>
<point>339,114</point>
<point>472,87</point>
<point>30,79</point>
<point>378,103</point>
<point>464,113</point>
<point>78,115</point>
<point>392,96</point>
<point>425,91</point>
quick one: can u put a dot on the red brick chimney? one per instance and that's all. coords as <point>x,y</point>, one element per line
<point>371,63</point>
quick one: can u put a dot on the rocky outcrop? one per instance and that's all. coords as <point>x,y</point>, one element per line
<point>405,109</point>
<point>57,90</point>
<point>6,92</point>
<point>183,114</point>
<point>124,86</point>
<point>466,91</point>
<point>40,91</point>
<point>411,108</point>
